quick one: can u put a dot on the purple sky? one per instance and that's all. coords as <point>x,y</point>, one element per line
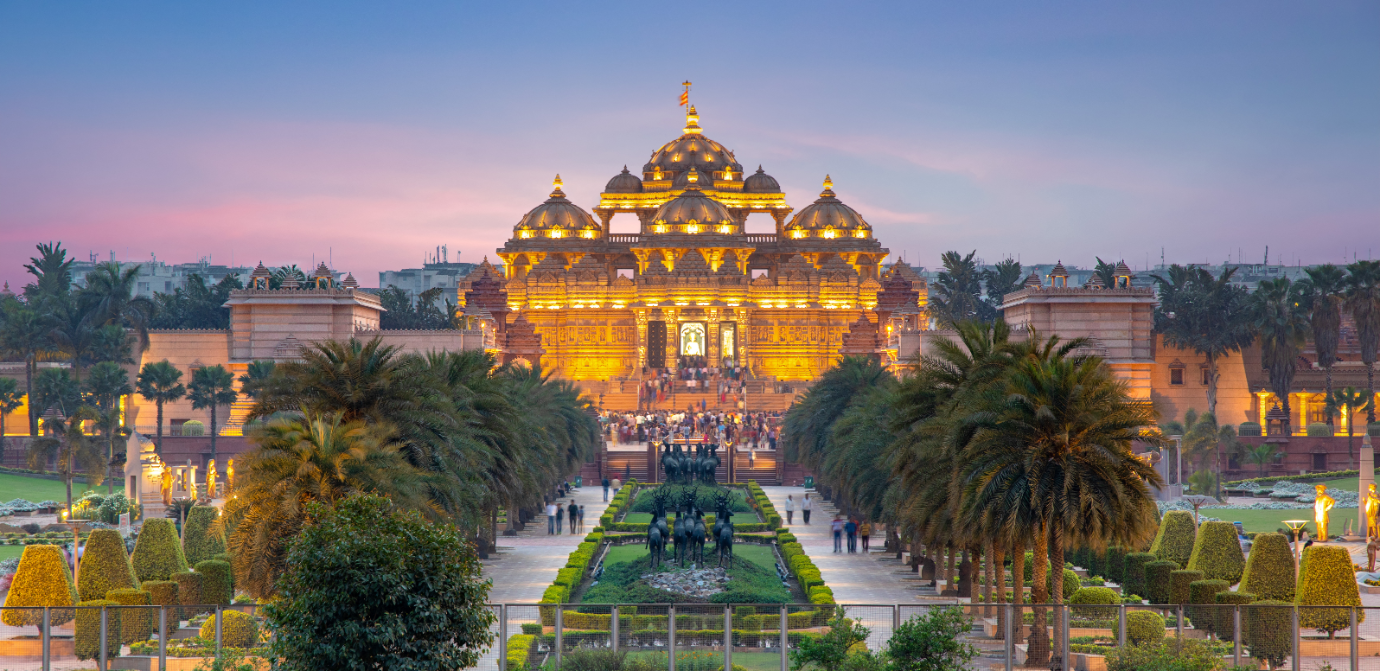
<point>373,132</point>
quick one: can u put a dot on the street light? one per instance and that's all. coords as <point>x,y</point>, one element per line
<point>1295,526</point>
<point>76,544</point>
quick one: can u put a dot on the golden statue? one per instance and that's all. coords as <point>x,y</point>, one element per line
<point>1321,505</point>
<point>211,480</point>
<point>167,482</point>
<point>1372,513</point>
<point>229,476</point>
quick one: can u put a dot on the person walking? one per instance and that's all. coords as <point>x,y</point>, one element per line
<point>863,532</point>
<point>617,484</point>
<point>790,508</point>
<point>551,519</point>
<point>851,529</point>
<point>606,489</point>
<point>574,511</point>
<point>805,507</point>
<point>837,527</point>
<point>582,519</point>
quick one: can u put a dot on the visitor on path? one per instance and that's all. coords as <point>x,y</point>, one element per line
<point>560,519</point>
<point>618,484</point>
<point>582,519</point>
<point>790,508</point>
<point>851,528</point>
<point>805,508</point>
<point>606,489</point>
<point>837,527</point>
<point>574,511</point>
<point>864,531</point>
<point>550,519</point>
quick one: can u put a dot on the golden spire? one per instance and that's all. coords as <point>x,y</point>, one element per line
<point>692,122</point>
<point>556,187</point>
<point>828,187</point>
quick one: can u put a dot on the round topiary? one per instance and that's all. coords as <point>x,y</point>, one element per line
<point>135,623</point>
<point>237,630</point>
<point>1225,622</point>
<point>1269,631</point>
<point>1328,579</point>
<point>1157,580</point>
<point>88,635</point>
<point>215,586</point>
<point>162,593</point>
<point>1174,540</point>
<point>1319,430</point>
<point>1115,569</point>
<point>1203,595</point>
<point>42,579</point>
<point>1071,583</point>
<point>1095,595</point>
<point>1269,572</point>
<point>158,552</point>
<point>1133,577</point>
<point>104,566</point>
<point>189,593</point>
<point>193,428</point>
<point>200,540</point>
<point>1217,552</point>
<point>1248,429</point>
<point>1143,627</point>
<point>1179,582</point>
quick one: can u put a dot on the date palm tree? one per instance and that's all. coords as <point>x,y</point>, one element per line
<point>1349,400</point>
<point>160,383</point>
<point>1262,456</point>
<point>107,383</point>
<point>1363,301</point>
<point>10,400</point>
<point>64,437</point>
<point>1208,315</point>
<point>255,377</point>
<point>108,298</point>
<point>25,333</point>
<point>212,387</point>
<point>1281,323</point>
<point>1322,293</point>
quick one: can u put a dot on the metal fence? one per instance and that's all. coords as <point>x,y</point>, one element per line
<point>707,637</point>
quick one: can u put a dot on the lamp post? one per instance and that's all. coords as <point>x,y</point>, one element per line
<point>76,545</point>
<point>1295,526</point>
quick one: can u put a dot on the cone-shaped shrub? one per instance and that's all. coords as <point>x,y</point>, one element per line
<point>135,623</point>
<point>1157,580</point>
<point>158,553</point>
<point>1179,582</point>
<point>1174,540</point>
<point>1224,625</point>
<point>1203,595</point>
<point>1095,559</point>
<point>43,579</point>
<point>1269,631</point>
<point>229,559</point>
<point>1116,565</point>
<point>1328,580</point>
<point>1217,552</point>
<point>215,584</point>
<point>89,630</point>
<point>1133,578</point>
<point>104,566</point>
<point>199,541</point>
<point>1269,572</point>
<point>189,592</point>
<point>163,593</point>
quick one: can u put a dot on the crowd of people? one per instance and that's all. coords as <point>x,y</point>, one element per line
<point>728,380</point>
<point>557,516</point>
<point>754,430</point>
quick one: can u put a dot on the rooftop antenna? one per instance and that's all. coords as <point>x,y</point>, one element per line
<point>1267,255</point>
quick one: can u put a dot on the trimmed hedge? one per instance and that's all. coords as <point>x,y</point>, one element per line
<point>189,592</point>
<point>1248,429</point>
<point>1328,579</point>
<point>1115,570</point>
<point>1217,552</point>
<point>237,630</point>
<point>1269,571</point>
<point>1071,583</point>
<point>42,579</point>
<point>163,593</point>
<point>104,566</point>
<point>1224,625</point>
<point>199,542</point>
<point>1133,577</point>
<point>215,585</point>
<point>158,552</point>
<point>88,636</point>
<point>1174,540</point>
<point>1157,581</point>
<point>1143,627</point>
<point>1179,582</point>
<point>1269,631</point>
<point>135,623</point>
<point>520,649</point>
<point>1203,595</point>
<point>1103,596</point>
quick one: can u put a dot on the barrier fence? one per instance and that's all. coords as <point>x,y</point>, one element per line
<point>707,637</point>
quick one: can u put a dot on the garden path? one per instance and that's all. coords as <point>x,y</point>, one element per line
<point>526,564</point>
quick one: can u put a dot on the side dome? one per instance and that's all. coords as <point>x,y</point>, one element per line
<point>624,182</point>
<point>557,218</point>
<point>693,212</point>
<point>761,182</point>
<point>828,218</point>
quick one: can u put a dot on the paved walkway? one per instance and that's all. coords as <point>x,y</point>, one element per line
<point>525,565</point>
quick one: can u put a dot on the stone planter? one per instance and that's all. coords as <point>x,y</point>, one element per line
<point>150,663</point>
<point>30,648</point>
<point>1089,662</point>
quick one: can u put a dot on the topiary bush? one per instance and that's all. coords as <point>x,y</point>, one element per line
<point>135,623</point>
<point>1319,430</point>
<point>215,584</point>
<point>158,552</point>
<point>1174,540</point>
<point>163,593</point>
<point>1143,627</point>
<point>1071,583</point>
<point>1133,577</point>
<point>237,630</point>
<point>1269,571</point>
<point>88,635</point>
<point>1095,561</point>
<point>1327,579</point>
<point>1217,552</point>
<point>1248,429</point>
<point>1203,595</point>
<point>1115,570</point>
<point>1179,582</point>
<point>1269,631</point>
<point>189,593</point>
<point>104,566</point>
<point>1094,595</point>
<point>1224,623</point>
<point>1157,580</point>
<point>193,427</point>
<point>200,541</point>
<point>42,579</point>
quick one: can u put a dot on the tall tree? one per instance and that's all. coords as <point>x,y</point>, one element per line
<point>52,272</point>
<point>196,305</point>
<point>64,436</point>
<point>256,375</point>
<point>1281,323</point>
<point>1002,279</point>
<point>212,387</point>
<point>10,400</point>
<point>957,293</point>
<point>1348,401</point>
<point>1105,272</point>
<point>1322,293</point>
<point>1208,315</point>
<point>160,383</point>
<point>25,333</point>
<point>1363,300</point>
<point>106,385</point>
<point>108,299</point>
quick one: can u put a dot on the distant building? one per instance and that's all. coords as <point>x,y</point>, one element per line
<point>436,271</point>
<point>158,277</point>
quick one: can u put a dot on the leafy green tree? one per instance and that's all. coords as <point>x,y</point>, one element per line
<point>1262,456</point>
<point>63,435</point>
<point>281,275</point>
<point>369,587</point>
<point>932,642</point>
<point>1363,301</point>
<point>956,294</point>
<point>10,400</point>
<point>1105,272</point>
<point>829,650</point>
<point>1281,323</point>
<point>196,305</point>
<point>212,387</point>
<point>25,333</point>
<point>1208,315</point>
<point>1322,293</point>
<point>160,383</point>
<point>108,299</point>
<point>1002,279</point>
<point>106,384</point>
<point>402,312</point>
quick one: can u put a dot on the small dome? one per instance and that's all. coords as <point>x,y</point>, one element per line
<point>624,182</point>
<point>761,182</point>
<point>701,179</point>
<point>828,218</point>
<point>557,218</point>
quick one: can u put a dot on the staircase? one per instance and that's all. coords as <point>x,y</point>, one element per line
<point>239,412</point>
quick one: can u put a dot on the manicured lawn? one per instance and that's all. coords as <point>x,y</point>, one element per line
<point>752,661</point>
<point>10,551</point>
<point>39,489</point>
<point>635,518</point>
<point>1273,520</point>
<point>760,555</point>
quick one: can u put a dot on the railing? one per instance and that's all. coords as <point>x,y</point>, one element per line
<point>624,237</point>
<point>763,238</point>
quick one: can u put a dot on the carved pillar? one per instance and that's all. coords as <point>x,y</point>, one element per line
<point>780,218</point>
<point>605,216</point>
<point>711,334</point>
<point>672,337</point>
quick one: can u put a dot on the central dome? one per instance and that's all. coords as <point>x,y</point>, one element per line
<point>692,150</point>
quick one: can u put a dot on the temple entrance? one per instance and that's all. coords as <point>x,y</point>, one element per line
<point>728,341</point>
<point>693,339</point>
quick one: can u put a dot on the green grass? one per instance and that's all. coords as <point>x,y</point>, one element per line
<point>752,661</point>
<point>760,555</point>
<point>39,489</point>
<point>622,583</point>
<point>1273,520</point>
<point>10,551</point>
<point>634,518</point>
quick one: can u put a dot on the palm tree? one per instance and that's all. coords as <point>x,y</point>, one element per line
<point>10,400</point>
<point>25,333</point>
<point>956,295</point>
<point>1363,300</point>
<point>255,377</point>
<point>1262,456</point>
<point>1105,272</point>
<point>212,387</point>
<point>1206,314</point>
<point>805,430</point>
<point>1282,325</point>
<point>1003,278</point>
<point>54,389</point>
<point>1322,293</point>
<point>52,272</point>
<point>299,461</point>
<point>1349,400</point>
<point>106,384</point>
<point>108,298</point>
<point>160,383</point>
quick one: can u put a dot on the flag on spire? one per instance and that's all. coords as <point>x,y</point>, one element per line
<point>685,95</point>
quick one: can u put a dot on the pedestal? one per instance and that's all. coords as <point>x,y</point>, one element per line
<point>1367,478</point>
